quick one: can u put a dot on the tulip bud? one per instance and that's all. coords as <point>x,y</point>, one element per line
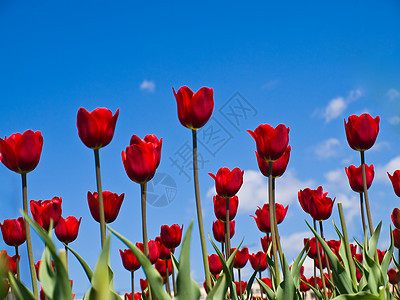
<point>13,231</point>
<point>361,131</point>
<point>129,260</point>
<point>355,177</point>
<point>228,183</point>
<point>262,216</point>
<point>218,229</point>
<point>220,207</point>
<point>111,202</point>
<point>171,236</point>
<point>67,229</point>
<point>259,259</point>
<point>215,264</point>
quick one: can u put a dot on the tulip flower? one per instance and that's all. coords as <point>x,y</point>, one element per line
<point>10,261</point>
<point>194,109</point>
<point>319,206</point>
<point>44,211</point>
<point>355,177</point>
<point>96,128</point>
<point>305,197</point>
<point>228,183</point>
<point>240,286</point>
<point>154,252</point>
<point>258,259</point>
<point>395,179</point>
<point>171,236</point>
<point>164,252</point>
<point>278,167</point>
<point>21,152</point>
<point>394,276</point>
<point>312,247</point>
<point>13,231</point>
<point>361,131</point>
<point>160,265</point>
<point>112,204</point>
<point>262,216</point>
<point>67,229</point>
<point>304,287</point>
<point>241,257</point>
<point>267,281</point>
<point>271,142</point>
<point>220,207</point>
<point>219,230</point>
<point>396,217</point>
<point>129,260</point>
<point>215,264</point>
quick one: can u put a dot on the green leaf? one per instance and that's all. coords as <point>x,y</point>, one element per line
<point>358,296</point>
<point>85,266</point>
<point>47,276</point>
<point>219,289</point>
<point>270,293</point>
<point>250,283</point>
<point>373,241</point>
<point>19,289</point>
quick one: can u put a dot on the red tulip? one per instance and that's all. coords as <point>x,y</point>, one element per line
<point>96,128</point>
<point>21,152</point>
<point>218,229</point>
<point>265,242</point>
<point>335,246</point>
<point>259,259</point>
<point>271,142</point>
<point>44,211</point>
<point>220,207</point>
<point>142,158</point>
<point>143,284</point>
<point>194,110</point>
<point>112,204</point>
<point>278,167</point>
<point>165,253</point>
<point>153,250</point>
<point>228,183</point>
<point>67,229</point>
<point>215,264</point>
<point>355,177</point>
<point>243,284</point>
<point>311,281</point>
<point>381,254</point>
<point>394,276</point>
<point>396,217</point>
<point>129,260</point>
<point>267,281</point>
<point>361,131</point>
<point>320,206</point>
<point>13,231</point>
<point>395,179</point>
<point>305,197</point>
<point>241,257</point>
<point>263,220</point>
<point>129,296</point>
<point>171,236</point>
<point>304,287</point>
<point>161,267</point>
<point>312,247</point>
<point>9,261</point>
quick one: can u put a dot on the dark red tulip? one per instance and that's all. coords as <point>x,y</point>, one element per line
<point>44,211</point>
<point>394,276</point>
<point>161,267</point>
<point>194,110</point>
<point>13,231</point>
<point>228,183</point>
<point>262,216</point>
<point>355,177</point>
<point>142,157</point>
<point>395,179</point>
<point>335,246</point>
<point>278,167</point>
<point>381,254</point>
<point>361,131</point>
<point>21,152</point>
<point>311,281</point>
<point>396,217</point>
<point>153,250</point>
<point>10,261</point>
<point>267,281</point>
<point>265,242</point>
<point>305,197</point>
<point>259,257</point>
<point>312,247</point>
<point>220,207</point>
<point>171,236</point>
<point>129,296</point>
<point>243,284</point>
<point>241,257</point>
<point>96,128</point>
<point>304,287</point>
<point>111,202</point>
<point>129,260</point>
<point>359,257</point>
<point>143,284</point>
<point>215,264</point>
<point>271,142</point>
<point>320,206</point>
<point>219,230</point>
<point>67,229</point>
<point>165,253</point>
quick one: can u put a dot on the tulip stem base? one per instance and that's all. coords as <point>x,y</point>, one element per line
<point>143,189</point>
<point>100,197</point>
<point>240,284</point>
<point>272,225</point>
<point>167,285</point>
<point>173,279</point>
<point>278,238</point>
<point>321,271</point>
<point>133,283</point>
<point>362,213</point>
<point>199,213</point>
<point>365,188</point>
<point>28,237</point>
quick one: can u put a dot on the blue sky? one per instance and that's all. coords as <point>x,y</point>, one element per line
<point>307,65</point>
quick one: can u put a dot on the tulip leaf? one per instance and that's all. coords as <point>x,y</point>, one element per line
<point>358,296</point>
<point>270,293</point>
<point>85,266</point>
<point>46,273</point>
<point>387,258</point>
<point>287,288</point>
<point>219,289</point>
<point>19,289</point>
<point>373,241</point>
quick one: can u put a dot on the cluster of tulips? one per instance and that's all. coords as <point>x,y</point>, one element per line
<point>141,158</point>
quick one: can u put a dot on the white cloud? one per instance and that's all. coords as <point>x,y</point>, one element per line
<point>293,244</point>
<point>392,94</point>
<point>395,120</point>
<point>148,85</point>
<point>391,166</point>
<point>328,148</point>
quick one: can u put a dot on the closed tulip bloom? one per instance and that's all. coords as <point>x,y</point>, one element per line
<point>258,258</point>
<point>111,202</point>
<point>220,207</point>
<point>9,261</point>
<point>395,179</point>
<point>396,217</point>
<point>13,231</point>
<point>67,229</point>
<point>218,229</point>
<point>171,236</point>
<point>355,177</point>
<point>154,252</point>
<point>262,216</point>
<point>271,142</point>
<point>21,152</point>
<point>278,167</point>
<point>394,276</point>
<point>194,109</point>
<point>143,284</point>
<point>142,158</point>
<point>312,247</point>
<point>215,264</point>
<point>44,211</point>
<point>265,242</point>
<point>129,260</point>
<point>335,246</point>
<point>161,267</point>
<point>321,206</point>
<point>228,183</point>
<point>361,131</point>
<point>241,258</point>
<point>164,252</point>
<point>243,284</point>
<point>96,128</point>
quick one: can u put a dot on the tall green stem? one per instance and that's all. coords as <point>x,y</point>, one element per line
<point>364,178</point>
<point>321,229</point>
<point>133,283</point>
<point>17,263</point>
<point>321,270</point>
<point>278,238</point>
<point>362,213</point>
<point>167,278</point>
<point>173,278</point>
<point>66,256</point>
<point>199,213</point>
<point>240,284</point>
<point>227,231</point>
<point>100,198</point>
<point>28,237</point>
<point>261,288</point>
<point>143,188</point>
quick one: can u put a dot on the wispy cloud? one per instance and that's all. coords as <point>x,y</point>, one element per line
<point>392,94</point>
<point>270,85</point>
<point>148,85</point>
<point>328,148</point>
<point>391,166</point>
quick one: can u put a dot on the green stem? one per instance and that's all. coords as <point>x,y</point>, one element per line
<point>28,237</point>
<point>143,188</point>
<point>362,213</point>
<point>167,278</point>
<point>227,232</point>
<point>326,256</point>
<point>278,238</point>
<point>364,178</point>
<point>100,198</point>
<point>261,288</point>
<point>66,256</point>
<point>321,270</point>
<point>133,283</point>
<point>17,263</point>
<point>199,213</point>
<point>240,285</point>
<point>173,278</point>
